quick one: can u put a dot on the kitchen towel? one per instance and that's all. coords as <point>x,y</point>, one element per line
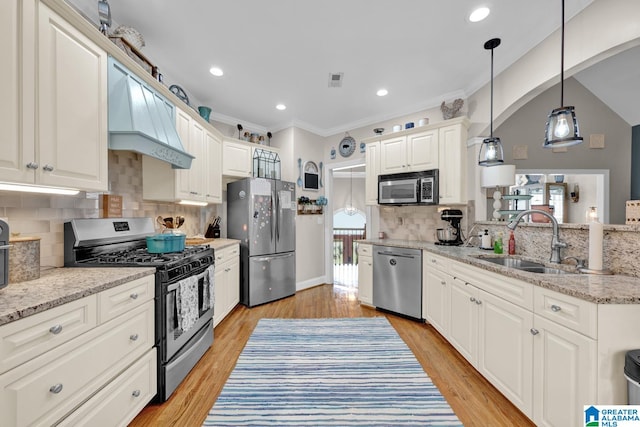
<point>208,290</point>
<point>187,294</point>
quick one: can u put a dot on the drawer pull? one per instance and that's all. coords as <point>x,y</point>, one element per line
<point>472,299</point>
<point>534,331</point>
<point>433,260</point>
<point>133,337</point>
<point>442,282</point>
<point>556,308</point>
<point>55,330</point>
<point>478,302</point>
<point>134,295</point>
<point>136,393</point>
<point>32,165</point>
<point>48,168</point>
<point>56,388</point>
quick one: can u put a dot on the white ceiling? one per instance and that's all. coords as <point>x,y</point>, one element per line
<point>282,51</point>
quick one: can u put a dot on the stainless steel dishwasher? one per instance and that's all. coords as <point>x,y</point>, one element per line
<point>397,280</point>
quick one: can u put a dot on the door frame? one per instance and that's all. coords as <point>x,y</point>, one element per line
<point>328,228</point>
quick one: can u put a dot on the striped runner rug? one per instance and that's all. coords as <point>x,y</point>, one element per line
<point>329,372</point>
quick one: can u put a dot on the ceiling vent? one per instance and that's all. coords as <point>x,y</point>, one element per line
<point>335,79</point>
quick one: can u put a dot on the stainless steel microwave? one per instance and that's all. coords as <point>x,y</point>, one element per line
<point>410,188</point>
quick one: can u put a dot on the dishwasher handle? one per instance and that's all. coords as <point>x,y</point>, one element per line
<point>397,255</point>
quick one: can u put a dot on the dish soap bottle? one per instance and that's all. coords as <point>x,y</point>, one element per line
<point>497,244</point>
<point>512,243</point>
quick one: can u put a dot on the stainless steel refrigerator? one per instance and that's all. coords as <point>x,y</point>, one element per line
<point>261,214</point>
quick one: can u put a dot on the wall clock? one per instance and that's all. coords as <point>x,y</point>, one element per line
<point>347,146</point>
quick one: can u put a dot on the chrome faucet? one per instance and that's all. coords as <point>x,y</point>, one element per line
<point>556,243</point>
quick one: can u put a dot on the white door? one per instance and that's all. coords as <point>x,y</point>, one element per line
<point>463,326</point>
<point>437,297</point>
<point>393,155</point>
<point>422,150</point>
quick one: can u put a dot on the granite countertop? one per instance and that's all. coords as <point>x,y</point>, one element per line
<point>614,289</point>
<point>58,286</point>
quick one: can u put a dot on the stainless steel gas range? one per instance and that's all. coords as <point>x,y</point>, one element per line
<point>183,291</point>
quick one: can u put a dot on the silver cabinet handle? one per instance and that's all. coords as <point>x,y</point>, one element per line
<point>133,337</point>
<point>442,282</point>
<point>556,308</point>
<point>478,302</point>
<point>534,331</point>
<point>433,260</point>
<point>56,388</point>
<point>48,168</point>
<point>472,299</point>
<point>134,295</point>
<point>136,393</point>
<point>32,165</point>
<point>56,329</point>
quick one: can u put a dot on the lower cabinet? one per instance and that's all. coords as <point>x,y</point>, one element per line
<point>227,282</point>
<point>115,359</point>
<point>365,274</point>
<point>538,347</point>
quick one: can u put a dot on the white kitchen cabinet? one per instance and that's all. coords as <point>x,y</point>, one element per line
<point>436,295</point>
<point>202,182</point>
<point>463,324</point>
<point>409,153</point>
<point>58,377</point>
<point>59,111</point>
<point>236,159</point>
<point>365,274</point>
<point>452,162</point>
<point>372,167</point>
<point>227,282</point>
<point>565,374</point>
<point>213,152</point>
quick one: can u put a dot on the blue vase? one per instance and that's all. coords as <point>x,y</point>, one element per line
<point>204,112</point>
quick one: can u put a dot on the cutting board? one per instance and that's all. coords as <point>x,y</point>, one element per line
<point>197,241</point>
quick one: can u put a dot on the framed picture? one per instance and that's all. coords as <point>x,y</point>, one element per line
<point>311,176</point>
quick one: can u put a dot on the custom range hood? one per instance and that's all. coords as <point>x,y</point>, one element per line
<point>142,120</point>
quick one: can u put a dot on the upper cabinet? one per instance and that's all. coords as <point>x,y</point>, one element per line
<point>439,146</point>
<point>238,160</point>
<point>54,116</point>
<point>202,183</point>
<point>409,153</point>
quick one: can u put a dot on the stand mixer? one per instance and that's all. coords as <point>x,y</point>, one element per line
<point>452,235</point>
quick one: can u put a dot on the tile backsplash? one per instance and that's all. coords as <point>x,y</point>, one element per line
<point>43,216</point>
<point>418,223</point>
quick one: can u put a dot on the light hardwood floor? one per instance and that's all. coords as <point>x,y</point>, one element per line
<point>474,400</point>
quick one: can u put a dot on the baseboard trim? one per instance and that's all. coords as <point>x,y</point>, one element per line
<point>310,283</point>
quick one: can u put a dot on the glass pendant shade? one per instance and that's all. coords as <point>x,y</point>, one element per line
<point>491,153</point>
<point>562,128</point>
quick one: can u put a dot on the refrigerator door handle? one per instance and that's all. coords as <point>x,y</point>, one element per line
<point>278,216</point>
<point>272,216</point>
<point>269,258</point>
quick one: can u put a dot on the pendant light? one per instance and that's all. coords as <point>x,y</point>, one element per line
<point>491,153</point>
<point>350,209</point>
<point>562,126</point>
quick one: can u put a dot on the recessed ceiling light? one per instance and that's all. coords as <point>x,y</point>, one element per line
<point>479,14</point>
<point>281,107</point>
<point>382,92</point>
<point>216,71</point>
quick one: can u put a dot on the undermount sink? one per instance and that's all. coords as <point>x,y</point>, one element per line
<point>523,265</point>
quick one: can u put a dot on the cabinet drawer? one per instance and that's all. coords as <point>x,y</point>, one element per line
<point>365,250</point>
<point>121,299</point>
<point>435,261</point>
<point>42,391</point>
<point>226,254</point>
<point>513,290</point>
<point>32,336</point>
<point>120,401</point>
<point>574,313</point>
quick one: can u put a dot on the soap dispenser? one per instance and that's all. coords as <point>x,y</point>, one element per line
<point>486,241</point>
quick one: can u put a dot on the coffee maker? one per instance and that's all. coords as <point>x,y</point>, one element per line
<point>452,235</point>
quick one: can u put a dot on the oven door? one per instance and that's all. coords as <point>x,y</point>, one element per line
<point>397,192</point>
<point>186,311</point>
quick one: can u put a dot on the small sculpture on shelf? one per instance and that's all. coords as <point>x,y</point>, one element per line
<point>452,110</point>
